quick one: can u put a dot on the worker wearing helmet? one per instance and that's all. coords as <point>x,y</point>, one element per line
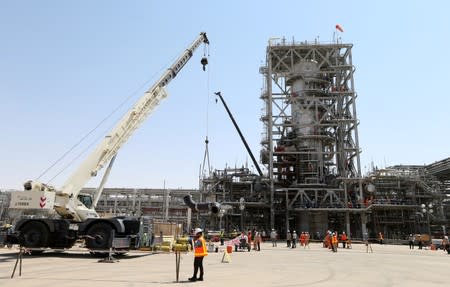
<point>199,252</point>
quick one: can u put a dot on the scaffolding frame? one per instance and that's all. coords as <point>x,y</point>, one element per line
<point>310,138</point>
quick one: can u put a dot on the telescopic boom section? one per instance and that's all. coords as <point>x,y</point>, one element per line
<point>109,147</point>
<point>240,134</point>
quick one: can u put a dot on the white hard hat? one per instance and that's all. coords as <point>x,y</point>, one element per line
<point>198,230</point>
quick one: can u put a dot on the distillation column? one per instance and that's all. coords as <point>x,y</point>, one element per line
<point>310,143</point>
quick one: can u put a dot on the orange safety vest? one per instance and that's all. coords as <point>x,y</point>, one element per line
<point>344,237</point>
<point>334,239</point>
<point>200,247</point>
<point>302,238</point>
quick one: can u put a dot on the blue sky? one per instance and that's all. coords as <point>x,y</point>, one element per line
<point>65,65</point>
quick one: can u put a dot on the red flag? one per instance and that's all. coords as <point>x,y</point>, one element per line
<point>338,27</point>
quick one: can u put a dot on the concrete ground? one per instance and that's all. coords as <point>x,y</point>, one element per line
<point>388,265</point>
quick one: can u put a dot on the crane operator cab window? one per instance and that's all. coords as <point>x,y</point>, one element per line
<point>86,199</point>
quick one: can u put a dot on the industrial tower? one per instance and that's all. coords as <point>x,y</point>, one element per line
<point>310,139</point>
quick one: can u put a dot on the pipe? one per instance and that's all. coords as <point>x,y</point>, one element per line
<point>214,207</point>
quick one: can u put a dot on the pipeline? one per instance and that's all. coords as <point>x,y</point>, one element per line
<point>214,207</point>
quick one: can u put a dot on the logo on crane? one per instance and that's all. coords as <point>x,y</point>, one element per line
<point>43,201</point>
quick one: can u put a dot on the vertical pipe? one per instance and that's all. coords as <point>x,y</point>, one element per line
<point>347,223</point>
<point>139,213</point>
<point>189,220</point>
<point>352,88</point>
<point>166,213</point>
<point>347,213</point>
<point>287,211</point>
<point>242,220</point>
<point>270,134</point>
<point>115,205</point>
<point>358,161</point>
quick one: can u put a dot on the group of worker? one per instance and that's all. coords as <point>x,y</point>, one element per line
<point>200,251</point>
<point>292,239</point>
<point>252,238</point>
<point>419,240</point>
<point>332,239</point>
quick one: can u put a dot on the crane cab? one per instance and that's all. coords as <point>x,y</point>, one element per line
<point>86,199</point>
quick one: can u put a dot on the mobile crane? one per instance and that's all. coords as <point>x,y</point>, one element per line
<point>77,216</point>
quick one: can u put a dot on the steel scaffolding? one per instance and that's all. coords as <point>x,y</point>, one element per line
<point>310,139</point>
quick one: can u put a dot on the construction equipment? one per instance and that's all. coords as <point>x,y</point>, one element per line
<point>77,216</point>
<point>255,163</point>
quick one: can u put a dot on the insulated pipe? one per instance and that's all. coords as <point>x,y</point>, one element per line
<point>214,207</point>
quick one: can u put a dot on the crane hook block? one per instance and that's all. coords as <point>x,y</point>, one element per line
<point>204,62</point>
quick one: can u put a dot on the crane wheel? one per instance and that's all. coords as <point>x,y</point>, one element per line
<point>34,234</point>
<point>99,235</point>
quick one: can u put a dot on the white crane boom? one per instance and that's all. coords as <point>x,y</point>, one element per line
<point>110,145</point>
<point>78,218</point>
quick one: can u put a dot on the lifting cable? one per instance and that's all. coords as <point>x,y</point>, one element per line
<point>206,155</point>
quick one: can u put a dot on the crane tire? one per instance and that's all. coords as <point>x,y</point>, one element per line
<point>99,235</point>
<point>34,234</point>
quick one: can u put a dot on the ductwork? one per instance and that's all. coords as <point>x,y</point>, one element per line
<point>214,207</point>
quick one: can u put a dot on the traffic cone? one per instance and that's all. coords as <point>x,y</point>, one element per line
<point>226,258</point>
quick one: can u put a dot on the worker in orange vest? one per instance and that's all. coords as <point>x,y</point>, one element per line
<point>307,237</point>
<point>199,252</point>
<point>343,239</point>
<point>327,240</point>
<point>302,239</point>
<point>334,242</point>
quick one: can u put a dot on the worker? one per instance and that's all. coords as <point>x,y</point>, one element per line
<point>419,241</point>
<point>273,237</point>
<point>254,231</point>
<point>288,238</point>
<point>411,241</point>
<point>222,234</point>
<point>199,252</point>
<point>445,244</point>
<point>367,242</point>
<point>249,237</point>
<point>294,239</point>
<point>302,239</point>
<point>343,239</point>
<point>257,241</point>
<point>380,237</point>
<point>307,237</point>
<point>334,242</point>
<point>327,240</point>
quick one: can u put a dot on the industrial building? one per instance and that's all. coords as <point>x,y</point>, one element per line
<point>311,150</point>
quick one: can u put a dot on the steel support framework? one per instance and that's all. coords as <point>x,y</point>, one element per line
<point>310,140</point>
